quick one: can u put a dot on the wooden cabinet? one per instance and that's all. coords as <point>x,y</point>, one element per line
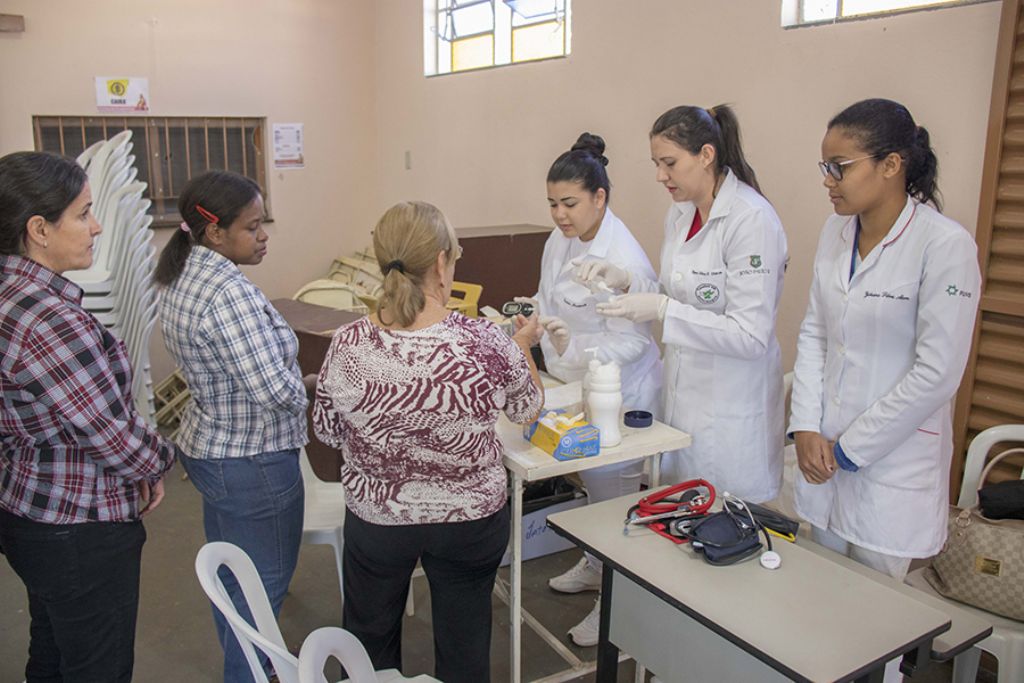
<point>505,259</point>
<point>315,326</point>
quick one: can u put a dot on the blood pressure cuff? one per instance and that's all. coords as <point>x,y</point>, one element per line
<point>723,540</point>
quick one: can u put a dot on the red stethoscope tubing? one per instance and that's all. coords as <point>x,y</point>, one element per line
<point>651,505</point>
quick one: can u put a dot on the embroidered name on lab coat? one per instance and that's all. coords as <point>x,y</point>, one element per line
<point>885,295</point>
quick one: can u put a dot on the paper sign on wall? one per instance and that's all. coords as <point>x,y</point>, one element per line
<point>288,152</point>
<point>122,94</point>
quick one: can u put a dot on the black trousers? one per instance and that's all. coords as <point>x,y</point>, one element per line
<point>460,560</point>
<point>83,596</point>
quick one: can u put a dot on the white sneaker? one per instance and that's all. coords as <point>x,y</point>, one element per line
<point>578,579</point>
<point>584,633</point>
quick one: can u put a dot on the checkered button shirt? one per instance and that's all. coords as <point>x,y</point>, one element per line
<point>72,447</point>
<point>239,357</point>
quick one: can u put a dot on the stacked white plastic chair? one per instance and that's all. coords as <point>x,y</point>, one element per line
<point>118,287</point>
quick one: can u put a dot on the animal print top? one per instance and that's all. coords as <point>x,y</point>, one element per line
<point>414,413</point>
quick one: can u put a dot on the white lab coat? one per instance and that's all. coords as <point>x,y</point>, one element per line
<point>629,344</point>
<point>878,360</point>
<point>723,368</point>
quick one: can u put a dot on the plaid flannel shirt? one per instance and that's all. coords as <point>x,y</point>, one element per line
<point>239,357</point>
<point>72,447</point>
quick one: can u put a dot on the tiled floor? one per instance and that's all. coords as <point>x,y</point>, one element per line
<point>176,641</point>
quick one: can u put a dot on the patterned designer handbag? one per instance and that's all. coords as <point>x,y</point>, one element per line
<point>982,562</point>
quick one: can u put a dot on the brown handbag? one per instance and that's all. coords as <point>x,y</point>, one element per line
<point>982,562</point>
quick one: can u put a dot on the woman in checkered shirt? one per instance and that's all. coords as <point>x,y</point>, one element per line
<point>242,432</point>
<point>78,466</point>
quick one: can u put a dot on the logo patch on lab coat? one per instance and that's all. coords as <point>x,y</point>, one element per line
<point>953,290</point>
<point>755,261</point>
<point>706,293</point>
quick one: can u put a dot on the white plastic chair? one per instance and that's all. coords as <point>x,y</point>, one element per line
<point>324,514</point>
<point>266,636</point>
<point>331,641</point>
<point>331,294</point>
<point>324,519</point>
<point>1006,643</point>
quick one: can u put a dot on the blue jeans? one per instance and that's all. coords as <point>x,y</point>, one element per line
<point>256,503</point>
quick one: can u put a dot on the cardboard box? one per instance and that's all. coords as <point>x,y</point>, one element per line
<point>538,538</point>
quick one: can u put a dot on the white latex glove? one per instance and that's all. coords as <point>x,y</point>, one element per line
<point>640,308</point>
<point>558,332</point>
<point>592,271</point>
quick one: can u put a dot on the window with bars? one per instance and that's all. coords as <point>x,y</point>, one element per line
<point>799,12</point>
<point>463,35</point>
<point>168,150</point>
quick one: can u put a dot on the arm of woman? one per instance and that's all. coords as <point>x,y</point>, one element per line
<point>327,423</point>
<point>66,368</point>
<point>245,344</point>
<point>755,254</point>
<point>947,305</point>
<point>812,449</point>
<point>524,390</point>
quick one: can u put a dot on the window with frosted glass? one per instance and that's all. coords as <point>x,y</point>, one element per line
<point>463,35</point>
<point>795,12</point>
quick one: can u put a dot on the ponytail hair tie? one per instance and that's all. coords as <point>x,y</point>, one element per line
<point>394,265</point>
<point>184,227</point>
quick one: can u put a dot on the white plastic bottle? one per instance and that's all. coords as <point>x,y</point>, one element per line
<point>591,369</point>
<point>604,401</point>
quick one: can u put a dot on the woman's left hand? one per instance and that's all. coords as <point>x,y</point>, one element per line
<point>151,495</point>
<point>528,331</point>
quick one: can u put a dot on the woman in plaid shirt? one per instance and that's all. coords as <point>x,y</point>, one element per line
<point>242,432</point>
<point>78,465</point>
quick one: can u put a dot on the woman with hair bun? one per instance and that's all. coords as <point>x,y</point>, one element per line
<point>722,264</point>
<point>578,194</point>
<point>883,345</point>
<point>411,395</point>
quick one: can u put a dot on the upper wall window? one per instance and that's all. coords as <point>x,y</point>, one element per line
<point>797,12</point>
<point>462,35</point>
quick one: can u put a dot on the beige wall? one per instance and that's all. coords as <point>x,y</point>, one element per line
<point>303,61</point>
<point>481,142</point>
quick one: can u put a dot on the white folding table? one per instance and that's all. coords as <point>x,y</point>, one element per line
<point>686,620</point>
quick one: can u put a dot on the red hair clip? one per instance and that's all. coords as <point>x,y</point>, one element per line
<point>207,215</point>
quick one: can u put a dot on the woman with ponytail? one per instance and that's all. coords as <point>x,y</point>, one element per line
<point>246,422</point>
<point>578,193</point>
<point>883,344</point>
<point>411,395</point>
<point>722,264</point>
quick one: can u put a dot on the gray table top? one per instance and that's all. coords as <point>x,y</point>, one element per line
<point>811,617</point>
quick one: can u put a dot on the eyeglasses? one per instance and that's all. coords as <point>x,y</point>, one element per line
<point>835,168</point>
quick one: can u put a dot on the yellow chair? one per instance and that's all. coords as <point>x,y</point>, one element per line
<point>467,300</point>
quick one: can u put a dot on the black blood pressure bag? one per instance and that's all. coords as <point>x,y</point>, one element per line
<point>724,538</point>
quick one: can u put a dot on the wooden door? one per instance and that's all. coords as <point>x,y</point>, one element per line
<point>992,391</point>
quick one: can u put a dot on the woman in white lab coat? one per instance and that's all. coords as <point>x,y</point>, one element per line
<point>883,345</point>
<point>722,265</point>
<point>578,190</point>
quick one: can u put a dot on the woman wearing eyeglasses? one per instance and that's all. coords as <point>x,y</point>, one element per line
<point>722,264</point>
<point>883,344</point>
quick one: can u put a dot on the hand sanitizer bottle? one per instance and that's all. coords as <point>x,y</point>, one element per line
<point>591,369</point>
<point>604,400</point>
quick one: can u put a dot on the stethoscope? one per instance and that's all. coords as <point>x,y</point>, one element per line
<point>685,502</point>
<point>733,505</point>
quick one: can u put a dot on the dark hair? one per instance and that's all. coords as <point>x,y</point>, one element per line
<point>34,184</point>
<point>584,163</point>
<point>222,194</point>
<point>693,127</point>
<point>883,127</point>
